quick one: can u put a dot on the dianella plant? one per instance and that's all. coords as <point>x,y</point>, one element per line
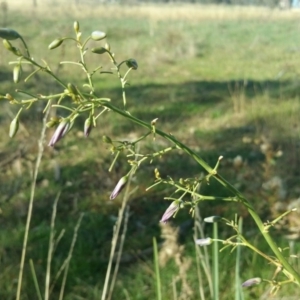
<point>86,101</point>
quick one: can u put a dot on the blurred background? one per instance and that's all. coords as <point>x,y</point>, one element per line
<point>221,76</point>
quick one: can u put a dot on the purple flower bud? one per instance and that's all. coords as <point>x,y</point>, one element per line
<point>204,242</point>
<point>119,187</point>
<point>60,131</point>
<point>252,281</point>
<point>171,210</point>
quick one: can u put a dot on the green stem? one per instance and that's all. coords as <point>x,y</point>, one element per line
<point>222,181</point>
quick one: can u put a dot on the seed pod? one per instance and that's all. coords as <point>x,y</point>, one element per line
<point>9,34</point>
<point>76,26</point>
<point>99,50</point>
<point>132,63</point>
<point>56,43</point>
<point>14,126</point>
<point>98,35</point>
<point>17,73</point>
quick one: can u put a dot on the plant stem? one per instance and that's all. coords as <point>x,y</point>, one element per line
<point>222,181</point>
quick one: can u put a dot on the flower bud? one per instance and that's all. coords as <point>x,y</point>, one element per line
<point>60,131</point>
<point>9,34</point>
<point>252,281</point>
<point>119,187</point>
<point>88,125</point>
<point>99,50</point>
<point>76,26</point>
<point>53,122</point>
<point>204,242</point>
<point>106,139</point>
<point>17,73</point>
<point>212,219</point>
<point>171,210</point>
<point>107,46</point>
<point>14,126</point>
<point>72,89</point>
<point>11,48</point>
<point>132,63</point>
<point>56,43</point>
<point>98,35</point>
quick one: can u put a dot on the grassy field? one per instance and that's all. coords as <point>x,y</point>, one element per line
<point>223,80</point>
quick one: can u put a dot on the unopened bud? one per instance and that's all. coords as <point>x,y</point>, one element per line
<point>53,122</point>
<point>76,26</point>
<point>212,219</point>
<point>11,48</point>
<point>72,89</point>
<point>17,73</point>
<point>14,126</point>
<point>88,125</point>
<point>56,43</point>
<point>99,50</point>
<point>9,34</point>
<point>252,281</point>
<point>98,35</point>
<point>107,46</point>
<point>119,187</point>
<point>132,63</point>
<point>171,210</point>
<point>204,242</point>
<point>106,139</point>
<point>60,131</point>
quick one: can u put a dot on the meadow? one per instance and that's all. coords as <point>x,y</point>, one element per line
<point>222,79</point>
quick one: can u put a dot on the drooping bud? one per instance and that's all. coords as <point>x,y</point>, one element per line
<point>76,26</point>
<point>106,139</point>
<point>119,187</point>
<point>204,242</point>
<point>17,73</point>
<point>60,131</point>
<point>132,63</point>
<point>252,281</point>
<point>171,210</point>
<point>14,127</point>
<point>88,125</point>
<point>98,35</point>
<point>9,34</point>
<point>99,50</point>
<point>56,43</point>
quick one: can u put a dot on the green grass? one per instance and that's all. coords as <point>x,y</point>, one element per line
<point>213,82</point>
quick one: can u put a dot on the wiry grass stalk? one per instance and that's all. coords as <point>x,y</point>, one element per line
<point>114,241</point>
<point>36,283</point>
<point>31,200</point>
<point>68,259</point>
<point>122,240</point>
<point>202,257</point>
<point>238,287</point>
<point>215,262</point>
<point>50,248</point>
<point>157,273</point>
